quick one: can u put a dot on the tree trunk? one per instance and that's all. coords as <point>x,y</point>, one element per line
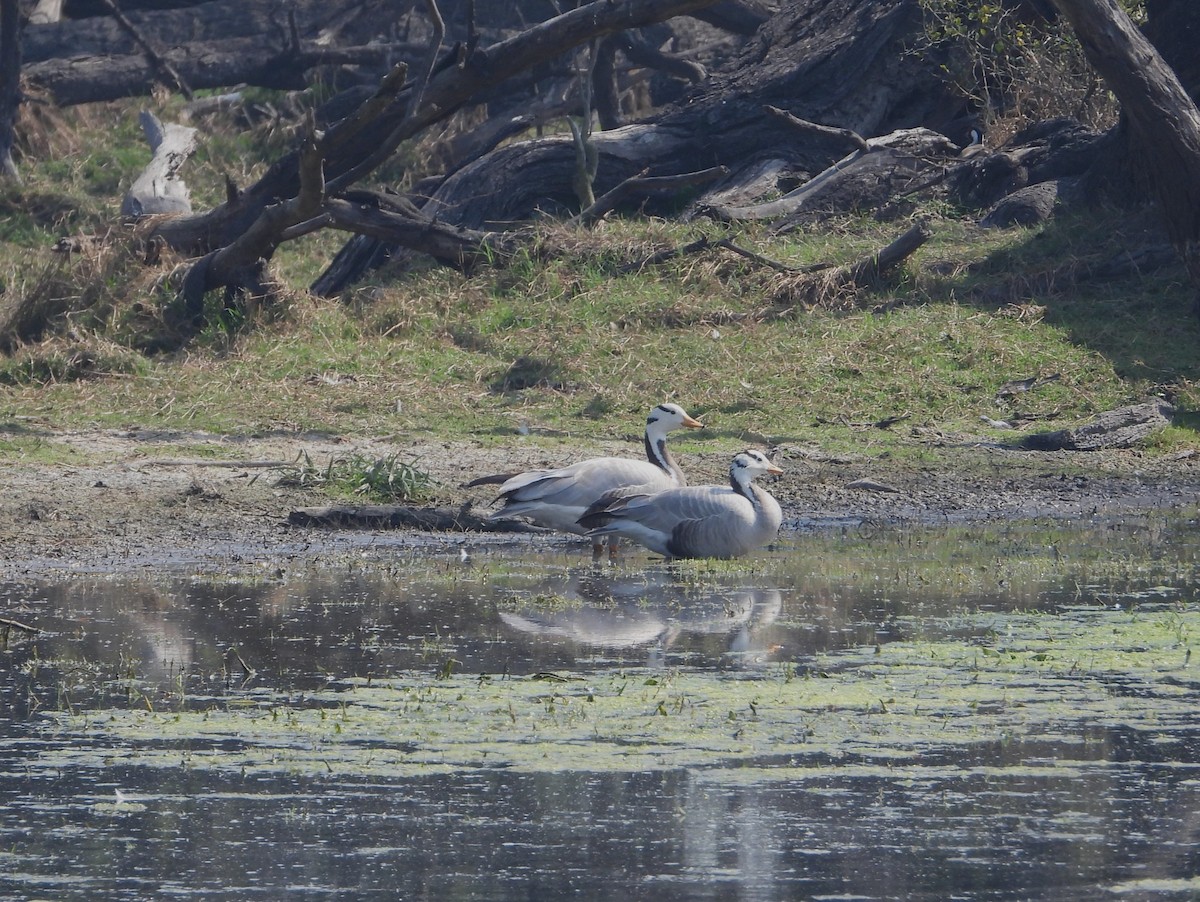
<point>1164,123</point>
<point>10,84</point>
<point>1173,27</point>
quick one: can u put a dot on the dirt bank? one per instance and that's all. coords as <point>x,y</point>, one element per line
<point>128,507</point>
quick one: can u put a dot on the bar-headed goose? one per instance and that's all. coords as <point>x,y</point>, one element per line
<point>558,498</point>
<point>697,521</point>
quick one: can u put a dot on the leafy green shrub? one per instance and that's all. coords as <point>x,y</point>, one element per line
<point>378,479</point>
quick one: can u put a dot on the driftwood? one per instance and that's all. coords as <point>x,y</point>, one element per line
<point>1048,150</point>
<point>1124,427</point>
<point>811,284</point>
<point>849,136</point>
<point>159,188</point>
<point>840,285</point>
<point>163,68</point>
<point>706,243</point>
<point>845,62</point>
<point>400,516</point>
<point>747,185</point>
<point>228,42</point>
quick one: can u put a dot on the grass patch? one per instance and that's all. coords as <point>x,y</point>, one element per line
<point>573,345</point>
<point>381,479</point>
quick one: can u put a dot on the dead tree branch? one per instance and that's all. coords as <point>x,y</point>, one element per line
<point>349,144</point>
<point>842,281</point>
<point>642,185</point>
<point>846,135</point>
<point>173,78</point>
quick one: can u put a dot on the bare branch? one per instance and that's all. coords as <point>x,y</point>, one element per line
<point>640,184</point>
<point>174,79</point>
<point>845,135</point>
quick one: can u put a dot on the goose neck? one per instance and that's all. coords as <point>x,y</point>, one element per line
<point>744,487</point>
<point>658,454</point>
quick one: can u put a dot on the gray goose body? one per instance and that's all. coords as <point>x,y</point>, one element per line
<point>698,521</point>
<point>558,498</point>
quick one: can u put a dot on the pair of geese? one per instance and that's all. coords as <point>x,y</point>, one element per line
<point>649,501</point>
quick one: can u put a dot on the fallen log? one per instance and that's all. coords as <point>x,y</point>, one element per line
<point>871,174</point>
<point>642,185</point>
<point>159,189</point>
<point>402,516</point>
<point>1124,427</point>
<point>261,61</point>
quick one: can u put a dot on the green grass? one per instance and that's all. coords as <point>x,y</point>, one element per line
<point>380,479</point>
<point>575,346</point>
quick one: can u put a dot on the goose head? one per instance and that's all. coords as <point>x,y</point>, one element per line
<point>749,465</point>
<point>668,417</point>
<point>663,419</point>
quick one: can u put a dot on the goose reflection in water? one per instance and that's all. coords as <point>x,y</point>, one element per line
<point>613,613</point>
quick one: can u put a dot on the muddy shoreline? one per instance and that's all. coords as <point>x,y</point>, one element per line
<point>139,501</point>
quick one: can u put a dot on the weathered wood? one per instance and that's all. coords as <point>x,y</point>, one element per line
<point>204,23</point>
<point>1048,150</point>
<point>159,188</point>
<point>46,12</point>
<point>7,623</point>
<point>849,136</point>
<point>738,16</point>
<point>813,59</point>
<point>463,248</point>
<point>841,285</point>
<point>863,180</point>
<point>747,186</point>
<point>1026,206</point>
<point>1124,427</point>
<point>811,284</point>
<point>870,270</point>
<point>241,264</point>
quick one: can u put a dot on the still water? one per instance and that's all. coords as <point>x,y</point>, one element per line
<point>978,713</point>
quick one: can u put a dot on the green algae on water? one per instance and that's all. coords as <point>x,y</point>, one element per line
<point>1045,678</point>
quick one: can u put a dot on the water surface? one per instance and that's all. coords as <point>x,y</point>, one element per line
<point>975,713</point>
